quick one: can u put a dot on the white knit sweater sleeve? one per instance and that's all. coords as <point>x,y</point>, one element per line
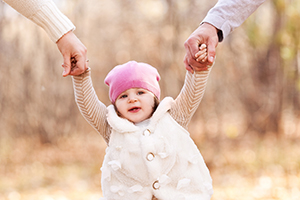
<point>92,109</point>
<point>189,97</point>
<point>45,14</point>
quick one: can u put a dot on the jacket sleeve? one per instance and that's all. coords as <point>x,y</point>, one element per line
<point>45,14</point>
<point>227,15</point>
<point>93,110</point>
<point>189,97</point>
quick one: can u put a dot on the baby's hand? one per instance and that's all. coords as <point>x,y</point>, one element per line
<point>201,55</point>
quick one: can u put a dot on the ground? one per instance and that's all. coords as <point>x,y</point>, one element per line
<point>69,169</point>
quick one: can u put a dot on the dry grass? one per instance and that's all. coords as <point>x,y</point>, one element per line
<point>257,169</point>
<point>68,169</point>
<point>246,168</point>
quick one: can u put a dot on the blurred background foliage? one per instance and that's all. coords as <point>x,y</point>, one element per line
<point>247,126</point>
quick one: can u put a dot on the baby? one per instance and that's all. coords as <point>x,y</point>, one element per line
<point>150,154</point>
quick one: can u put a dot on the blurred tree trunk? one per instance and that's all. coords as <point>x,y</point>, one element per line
<point>275,79</point>
<point>34,99</point>
<point>296,82</point>
<point>263,105</point>
<point>269,80</point>
<point>294,29</point>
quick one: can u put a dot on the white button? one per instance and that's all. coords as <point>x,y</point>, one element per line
<point>155,185</point>
<point>150,156</point>
<point>147,132</point>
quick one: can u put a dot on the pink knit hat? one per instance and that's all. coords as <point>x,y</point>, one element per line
<point>132,75</point>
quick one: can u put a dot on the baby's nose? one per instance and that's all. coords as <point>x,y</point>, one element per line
<point>132,99</point>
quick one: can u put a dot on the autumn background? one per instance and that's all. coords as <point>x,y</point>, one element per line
<point>247,126</point>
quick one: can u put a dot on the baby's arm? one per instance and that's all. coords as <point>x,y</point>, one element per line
<point>190,96</point>
<point>93,110</point>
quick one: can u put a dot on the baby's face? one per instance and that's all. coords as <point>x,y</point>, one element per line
<point>135,104</point>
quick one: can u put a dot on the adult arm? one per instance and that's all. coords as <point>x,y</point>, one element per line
<point>190,96</point>
<point>93,110</point>
<point>45,14</point>
<point>227,15</point>
<point>220,20</point>
<point>59,28</point>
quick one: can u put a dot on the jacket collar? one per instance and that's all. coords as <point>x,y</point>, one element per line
<point>123,125</point>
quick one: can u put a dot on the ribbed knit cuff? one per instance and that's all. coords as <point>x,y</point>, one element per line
<point>53,21</point>
<point>86,73</point>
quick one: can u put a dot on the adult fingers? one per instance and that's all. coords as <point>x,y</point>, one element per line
<point>187,66</point>
<point>191,47</point>
<point>192,65</point>
<point>80,65</point>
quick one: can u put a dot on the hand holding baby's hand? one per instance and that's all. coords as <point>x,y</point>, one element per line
<point>201,57</point>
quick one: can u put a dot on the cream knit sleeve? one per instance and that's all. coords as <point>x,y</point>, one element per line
<point>45,14</point>
<point>93,110</point>
<point>189,97</point>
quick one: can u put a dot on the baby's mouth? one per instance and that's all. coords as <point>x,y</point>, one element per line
<point>134,109</point>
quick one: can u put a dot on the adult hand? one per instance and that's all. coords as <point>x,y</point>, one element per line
<point>204,34</point>
<point>74,54</point>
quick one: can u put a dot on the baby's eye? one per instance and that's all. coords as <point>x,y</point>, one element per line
<point>140,92</point>
<point>123,96</point>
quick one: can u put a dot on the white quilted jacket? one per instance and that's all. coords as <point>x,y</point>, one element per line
<point>158,159</point>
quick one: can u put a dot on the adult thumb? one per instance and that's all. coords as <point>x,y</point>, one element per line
<point>211,53</point>
<point>66,66</point>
